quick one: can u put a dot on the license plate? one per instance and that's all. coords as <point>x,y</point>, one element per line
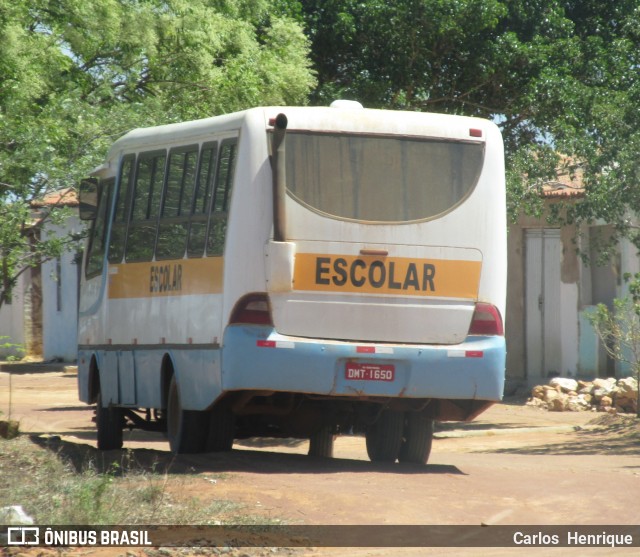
<point>369,372</point>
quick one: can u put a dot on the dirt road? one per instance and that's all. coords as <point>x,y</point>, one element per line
<point>514,465</point>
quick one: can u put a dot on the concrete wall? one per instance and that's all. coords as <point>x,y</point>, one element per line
<point>12,320</point>
<point>515,318</point>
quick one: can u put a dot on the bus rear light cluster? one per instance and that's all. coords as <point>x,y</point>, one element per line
<point>486,321</point>
<point>252,309</point>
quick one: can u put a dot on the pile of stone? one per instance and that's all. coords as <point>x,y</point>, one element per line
<point>600,395</point>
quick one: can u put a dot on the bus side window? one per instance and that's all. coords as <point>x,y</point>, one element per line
<point>97,236</point>
<point>145,205</point>
<point>201,198</point>
<point>121,212</point>
<point>221,198</point>
<point>176,206</point>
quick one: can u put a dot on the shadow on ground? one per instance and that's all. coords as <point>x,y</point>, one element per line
<point>262,442</point>
<point>476,426</point>
<point>606,435</point>
<point>81,456</point>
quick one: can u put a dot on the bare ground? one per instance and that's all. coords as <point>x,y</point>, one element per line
<point>514,465</point>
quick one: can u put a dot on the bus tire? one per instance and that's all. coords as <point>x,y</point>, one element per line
<point>186,429</point>
<point>109,423</point>
<point>418,438</point>
<point>321,443</point>
<point>222,428</point>
<point>384,437</point>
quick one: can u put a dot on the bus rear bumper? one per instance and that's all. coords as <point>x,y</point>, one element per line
<point>258,358</point>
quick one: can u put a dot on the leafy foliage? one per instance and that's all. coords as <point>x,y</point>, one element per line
<point>15,351</point>
<point>560,77</point>
<point>619,330</point>
<point>76,74</point>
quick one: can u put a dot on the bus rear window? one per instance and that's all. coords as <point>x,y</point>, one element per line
<point>380,179</point>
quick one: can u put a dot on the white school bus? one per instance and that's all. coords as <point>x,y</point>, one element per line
<point>296,272</point>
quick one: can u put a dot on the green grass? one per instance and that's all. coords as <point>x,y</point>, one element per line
<point>53,490</point>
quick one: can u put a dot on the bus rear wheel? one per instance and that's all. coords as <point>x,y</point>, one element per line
<point>321,443</point>
<point>186,429</point>
<point>418,438</point>
<point>384,437</point>
<point>109,422</point>
<point>222,428</point>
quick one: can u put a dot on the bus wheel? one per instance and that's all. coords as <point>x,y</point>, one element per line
<point>321,443</point>
<point>109,422</point>
<point>186,429</point>
<point>222,428</point>
<point>418,437</point>
<point>384,437</point>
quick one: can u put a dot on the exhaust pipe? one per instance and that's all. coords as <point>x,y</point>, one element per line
<point>279,182</point>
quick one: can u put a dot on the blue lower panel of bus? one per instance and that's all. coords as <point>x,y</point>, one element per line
<point>258,358</point>
<point>131,376</point>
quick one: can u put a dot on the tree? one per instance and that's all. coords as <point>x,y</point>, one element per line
<point>76,74</point>
<point>560,78</point>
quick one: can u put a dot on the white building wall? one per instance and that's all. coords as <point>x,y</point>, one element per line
<point>569,327</point>
<point>580,287</point>
<point>60,300</point>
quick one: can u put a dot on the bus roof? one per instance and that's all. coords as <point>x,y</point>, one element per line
<point>347,119</point>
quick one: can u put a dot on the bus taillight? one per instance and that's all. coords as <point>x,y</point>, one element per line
<point>486,321</point>
<point>252,309</point>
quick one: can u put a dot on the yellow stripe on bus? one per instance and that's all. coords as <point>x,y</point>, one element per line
<point>442,278</point>
<point>166,278</point>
